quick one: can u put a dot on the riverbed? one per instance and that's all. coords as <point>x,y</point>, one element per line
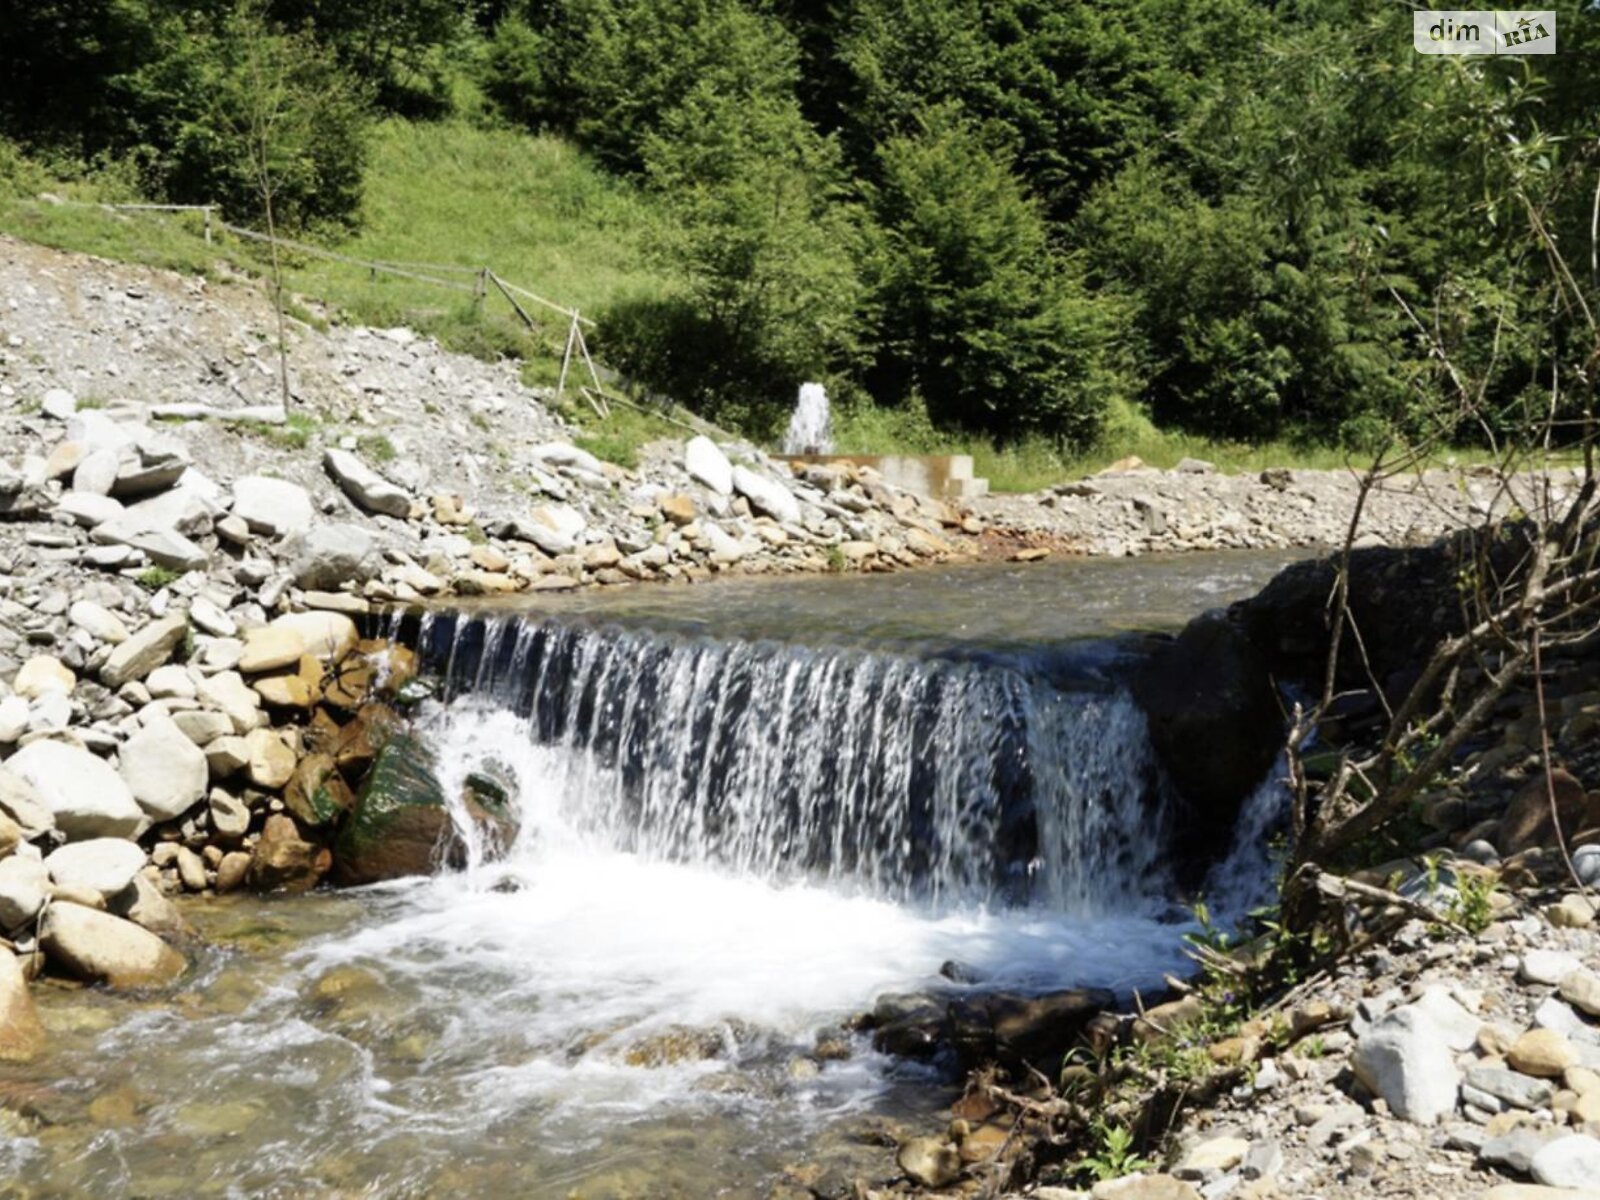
<point>645,998</point>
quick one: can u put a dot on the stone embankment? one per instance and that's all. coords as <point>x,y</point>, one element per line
<point>1131,509</point>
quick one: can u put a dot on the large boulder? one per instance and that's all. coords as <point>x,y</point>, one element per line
<point>283,860</point>
<point>104,865</point>
<point>20,802</point>
<point>1402,601</point>
<point>164,770</point>
<point>100,948</point>
<point>369,490</point>
<point>1405,1059</point>
<point>402,823</point>
<point>331,555</point>
<point>1215,724</point>
<point>22,1035</point>
<point>767,496</point>
<point>705,461</point>
<point>274,507</point>
<point>84,795</point>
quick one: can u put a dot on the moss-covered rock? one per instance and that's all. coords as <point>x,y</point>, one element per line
<point>401,819</point>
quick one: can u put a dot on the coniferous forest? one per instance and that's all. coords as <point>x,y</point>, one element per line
<point>1248,219</point>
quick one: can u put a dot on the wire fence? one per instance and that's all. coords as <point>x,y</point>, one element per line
<point>478,283</point>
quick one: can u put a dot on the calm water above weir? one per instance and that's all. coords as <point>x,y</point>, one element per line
<point>747,810</point>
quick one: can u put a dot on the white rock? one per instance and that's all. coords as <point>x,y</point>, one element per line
<point>101,948</point>
<point>1405,1059</point>
<point>1546,966</point>
<point>331,555</point>
<point>705,461</point>
<point>24,885</point>
<point>104,865</point>
<point>186,510</point>
<point>169,681</point>
<point>58,403</point>
<point>328,635</point>
<point>89,509</point>
<point>84,795</point>
<point>767,495</point>
<point>151,464</point>
<point>1568,1162</point>
<point>228,692</point>
<point>563,454</point>
<point>366,487</point>
<point>1459,1027</point>
<point>144,651</point>
<point>274,507</point>
<point>164,547</point>
<point>98,621</point>
<point>13,719</point>
<point>164,770</point>
<point>96,475</point>
<point>208,617</point>
<point>22,804</point>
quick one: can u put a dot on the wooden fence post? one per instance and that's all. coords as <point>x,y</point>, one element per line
<point>566,355</point>
<point>480,290</point>
<point>208,224</point>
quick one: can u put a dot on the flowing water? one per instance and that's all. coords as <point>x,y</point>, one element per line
<point>746,811</point>
<point>810,425</point>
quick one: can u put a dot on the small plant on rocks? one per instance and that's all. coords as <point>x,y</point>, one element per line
<point>1114,1155</point>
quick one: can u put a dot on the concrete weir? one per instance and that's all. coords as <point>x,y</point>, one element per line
<point>945,476</point>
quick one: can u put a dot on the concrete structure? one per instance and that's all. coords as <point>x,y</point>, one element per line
<point>946,476</point>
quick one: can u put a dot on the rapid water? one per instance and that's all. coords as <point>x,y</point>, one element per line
<point>728,845</point>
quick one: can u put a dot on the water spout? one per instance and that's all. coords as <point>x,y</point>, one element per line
<point>811,426</point>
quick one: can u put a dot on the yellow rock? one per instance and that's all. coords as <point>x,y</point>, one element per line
<point>328,635</point>
<point>269,648</point>
<point>43,673</point>
<point>1544,1053</point>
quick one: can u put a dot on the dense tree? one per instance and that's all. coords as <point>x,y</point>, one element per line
<point>1255,217</point>
<point>977,315</point>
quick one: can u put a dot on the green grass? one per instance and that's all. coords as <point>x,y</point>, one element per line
<point>533,209</point>
<point>542,216</point>
<point>619,437</point>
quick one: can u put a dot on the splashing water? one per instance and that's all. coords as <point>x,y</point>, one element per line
<point>811,425</point>
<point>725,848</point>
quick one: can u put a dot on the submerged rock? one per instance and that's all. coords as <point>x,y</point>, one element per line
<point>1215,724</point>
<point>402,823</point>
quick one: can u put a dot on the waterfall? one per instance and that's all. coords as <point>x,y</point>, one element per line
<point>810,426</point>
<point>891,774</point>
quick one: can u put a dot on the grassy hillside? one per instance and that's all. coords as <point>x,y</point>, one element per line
<point>534,209</point>
<point>542,215</point>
